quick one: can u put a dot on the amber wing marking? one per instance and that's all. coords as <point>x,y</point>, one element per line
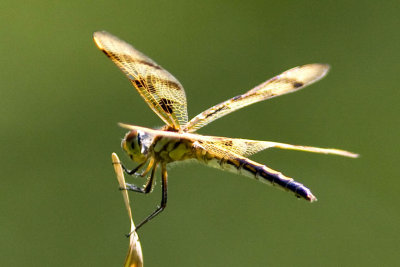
<point>162,91</point>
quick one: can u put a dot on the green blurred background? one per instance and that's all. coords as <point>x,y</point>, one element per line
<point>61,99</point>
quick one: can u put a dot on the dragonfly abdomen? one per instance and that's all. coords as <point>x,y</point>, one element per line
<point>252,169</point>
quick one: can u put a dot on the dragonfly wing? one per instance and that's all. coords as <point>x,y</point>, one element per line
<point>224,146</point>
<point>245,147</point>
<point>312,149</point>
<point>287,82</point>
<point>161,91</point>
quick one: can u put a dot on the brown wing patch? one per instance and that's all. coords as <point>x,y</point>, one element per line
<point>166,105</point>
<point>161,91</point>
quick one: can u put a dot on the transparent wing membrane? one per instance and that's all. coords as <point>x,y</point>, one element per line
<point>161,91</point>
<point>287,82</point>
<point>244,147</point>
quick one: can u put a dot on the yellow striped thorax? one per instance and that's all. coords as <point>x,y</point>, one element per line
<point>141,145</point>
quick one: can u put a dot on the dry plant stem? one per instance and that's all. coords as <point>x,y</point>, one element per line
<point>134,258</point>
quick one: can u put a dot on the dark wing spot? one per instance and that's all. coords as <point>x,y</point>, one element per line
<point>228,143</point>
<point>151,89</point>
<point>172,84</point>
<point>213,112</point>
<point>166,105</point>
<point>148,64</point>
<point>163,82</point>
<point>137,83</point>
<point>130,59</point>
<point>237,97</point>
<point>140,84</point>
<point>297,84</point>
<point>105,52</point>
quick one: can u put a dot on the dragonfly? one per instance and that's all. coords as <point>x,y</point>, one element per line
<point>177,140</point>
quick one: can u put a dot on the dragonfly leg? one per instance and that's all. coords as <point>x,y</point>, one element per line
<point>164,181</point>
<point>133,171</point>
<point>147,187</point>
<point>144,173</point>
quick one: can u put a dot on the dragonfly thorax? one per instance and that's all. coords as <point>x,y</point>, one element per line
<point>142,145</point>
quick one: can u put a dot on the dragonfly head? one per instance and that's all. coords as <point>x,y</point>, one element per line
<point>136,144</point>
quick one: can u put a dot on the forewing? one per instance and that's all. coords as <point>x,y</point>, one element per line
<point>245,147</point>
<point>161,91</point>
<point>224,146</point>
<point>287,82</point>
